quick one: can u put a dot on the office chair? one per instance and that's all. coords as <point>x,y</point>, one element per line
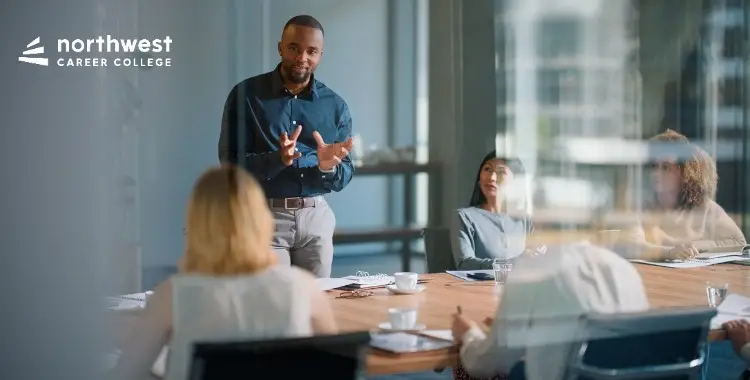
<point>437,246</point>
<point>666,344</point>
<point>330,357</point>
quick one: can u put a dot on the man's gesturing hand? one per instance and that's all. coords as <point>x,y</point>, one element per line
<point>288,147</point>
<point>330,155</point>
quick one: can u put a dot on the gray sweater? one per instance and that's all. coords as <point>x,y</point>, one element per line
<point>480,236</point>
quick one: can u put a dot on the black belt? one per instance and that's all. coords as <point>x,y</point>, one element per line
<point>292,203</point>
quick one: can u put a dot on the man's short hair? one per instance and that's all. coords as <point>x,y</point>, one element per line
<point>305,20</point>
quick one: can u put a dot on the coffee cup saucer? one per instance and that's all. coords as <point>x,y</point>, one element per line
<point>386,326</point>
<point>393,289</point>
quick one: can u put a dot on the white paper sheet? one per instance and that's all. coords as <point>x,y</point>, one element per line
<point>440,334</point>
<point>693,263</point>
<point>159,368</point>
<point>333,283</point>
<point>716,255</point>
<point>733,307</point>
<point>126,302</point>
<point>372,281</point>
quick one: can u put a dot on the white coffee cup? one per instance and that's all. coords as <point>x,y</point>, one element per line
<point>406,280</point>
<point>402,318</point>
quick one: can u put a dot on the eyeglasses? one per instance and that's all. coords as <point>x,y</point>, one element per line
<point>355,294</point>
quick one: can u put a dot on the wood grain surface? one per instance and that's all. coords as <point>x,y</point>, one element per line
<point>666,287</point>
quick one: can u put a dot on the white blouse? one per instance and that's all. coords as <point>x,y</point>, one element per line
<point>542,303</point>
<point>271,304</point>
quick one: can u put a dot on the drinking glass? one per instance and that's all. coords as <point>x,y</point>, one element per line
<point>716,293</point>
<point>501,268</point>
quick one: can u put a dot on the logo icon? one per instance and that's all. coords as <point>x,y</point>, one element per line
<point>34,51</point>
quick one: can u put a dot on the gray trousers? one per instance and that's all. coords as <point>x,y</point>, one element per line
<point>304,237</point>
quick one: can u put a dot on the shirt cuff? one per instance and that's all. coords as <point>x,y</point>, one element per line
<point>331,171</point>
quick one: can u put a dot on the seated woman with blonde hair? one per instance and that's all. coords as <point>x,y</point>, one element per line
<point>682,220</point>
<point>228,287</point>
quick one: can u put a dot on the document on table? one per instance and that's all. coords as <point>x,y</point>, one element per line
<point>333,283</point>
<point>723,252</point>
<point>733,307</point>
<point>462,274</point>
<point>365,282</point>
<point>439,334</point>
<point>126,302</point>
<point>695,263</point>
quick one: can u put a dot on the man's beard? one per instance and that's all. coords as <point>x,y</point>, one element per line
<point>296,78</point>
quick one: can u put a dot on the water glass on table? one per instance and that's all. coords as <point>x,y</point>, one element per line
<point>716,293</point>
<point>502,268</point>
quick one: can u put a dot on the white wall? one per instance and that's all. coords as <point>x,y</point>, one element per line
<point>182,104</point>
<point>180,117</point>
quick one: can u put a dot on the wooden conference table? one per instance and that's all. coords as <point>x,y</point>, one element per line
<point>666,287</point>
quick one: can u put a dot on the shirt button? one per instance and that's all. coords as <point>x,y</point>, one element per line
<point>294,122</point>
<point>301,175</point>
<point>295,96</point>
<point>268,179</point>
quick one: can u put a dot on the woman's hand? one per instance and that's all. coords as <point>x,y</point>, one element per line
<point>460,326</point>
<point>738,332</point>
<point>682,252</point>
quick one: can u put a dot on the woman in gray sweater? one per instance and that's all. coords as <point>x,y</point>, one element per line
<point>485,231</point>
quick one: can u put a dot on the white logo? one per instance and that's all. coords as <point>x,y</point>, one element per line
<point>103,51</point>
<point>34,51</point>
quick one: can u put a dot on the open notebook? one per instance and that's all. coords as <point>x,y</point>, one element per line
<point>733,307</point>
<point>724,252</point>
<point>695,263</point>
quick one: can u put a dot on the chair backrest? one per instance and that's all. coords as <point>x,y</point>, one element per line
<point>270,305</point>
<point>331,357</point>
<point>437,246</point>
<point>665,344</point>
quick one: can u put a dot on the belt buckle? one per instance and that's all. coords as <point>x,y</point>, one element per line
<point>286,203</point>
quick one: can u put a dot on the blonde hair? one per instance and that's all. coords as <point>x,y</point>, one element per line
<point>228,226</point>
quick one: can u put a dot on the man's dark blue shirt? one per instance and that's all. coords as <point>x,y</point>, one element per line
<point>259,109</point>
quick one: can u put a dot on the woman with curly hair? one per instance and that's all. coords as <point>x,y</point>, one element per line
<point>682,219</point>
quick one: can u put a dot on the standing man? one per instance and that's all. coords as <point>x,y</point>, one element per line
<point>294,134</point>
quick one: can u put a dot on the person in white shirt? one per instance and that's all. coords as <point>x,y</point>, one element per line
<point>542,303</point>
<point>738,332</point>
<point>229,286</point>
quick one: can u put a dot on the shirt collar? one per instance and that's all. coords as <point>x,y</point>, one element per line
<point>277,83</point>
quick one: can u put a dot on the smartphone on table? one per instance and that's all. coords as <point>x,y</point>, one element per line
<point>481,276</point>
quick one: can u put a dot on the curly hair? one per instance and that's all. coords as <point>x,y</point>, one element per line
<point>698,169</point>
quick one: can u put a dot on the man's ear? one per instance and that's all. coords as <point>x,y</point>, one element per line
<point>278,47</point>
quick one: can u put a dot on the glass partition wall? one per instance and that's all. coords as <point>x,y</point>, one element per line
<point>581,86</point>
